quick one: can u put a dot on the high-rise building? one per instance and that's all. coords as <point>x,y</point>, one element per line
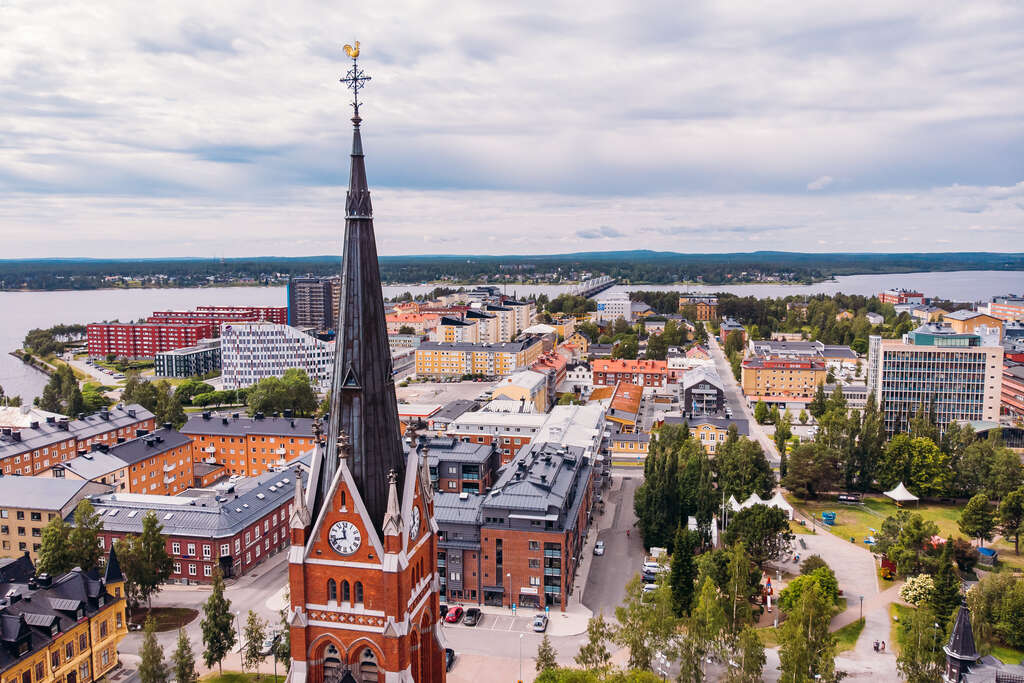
<point>313,302</point>
<point>937,369</point>
<point>363,560</point>
<point>254,351</point>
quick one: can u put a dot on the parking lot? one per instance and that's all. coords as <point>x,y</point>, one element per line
<point>441,392</point>
<point>500,622</point>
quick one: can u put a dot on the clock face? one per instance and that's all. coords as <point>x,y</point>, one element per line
<point>344,537</point>
<point>414,528</point>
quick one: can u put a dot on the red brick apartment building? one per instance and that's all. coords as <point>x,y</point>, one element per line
<point>223,314</point>
<point>248,446</point>
<point>143,340</point>
<point>644,373</point>
<point>236,529</point>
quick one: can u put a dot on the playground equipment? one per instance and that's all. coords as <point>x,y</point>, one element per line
<point>828,518</point>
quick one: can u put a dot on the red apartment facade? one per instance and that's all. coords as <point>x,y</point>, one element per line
<point>900,296</point>
<point>143,340</point>
<point>223,314</point>
<point>1012,398</point>
<point>644,373</point>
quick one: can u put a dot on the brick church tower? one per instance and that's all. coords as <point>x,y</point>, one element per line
<point>362,564</point>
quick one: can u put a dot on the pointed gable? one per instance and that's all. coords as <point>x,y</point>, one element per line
<point>112,573</point>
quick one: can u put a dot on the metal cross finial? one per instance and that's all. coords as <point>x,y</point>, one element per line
<point>355,79</point>
<point>343,444</point>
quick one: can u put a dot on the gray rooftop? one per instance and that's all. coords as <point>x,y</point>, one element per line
<point>539,480</point>
<point>457,508</point>
<point>455,409</point>
<point>211,514</point>
<point>48,432</point>
<point>41,493</point>
<point>506,347</point>
<point>142,447</point>
<point>242,425</point>
<point>450,449</point>
<point>702,373</point>
<point>92,465</point>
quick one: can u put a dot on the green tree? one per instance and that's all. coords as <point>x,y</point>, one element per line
<point>824,581</point>
<point>152,668</point>
<point>945,596</point>
<point>144,561</point>
<point>904,538</point>
<point>55,555</point>
<point>783,431</point>
<point>812,562</point>
<point>646,622</point>
<point>761,412</point>
<point>218,628</point>
<point>803,416</point>
<point>764,531</point>
<point>1011,517</point>
<point>918,463</point>
<point>283,644</point>
<point>137,390</point>
<point>255,631</point>
<point>594,654</point>
<point>921,658</point>
<point>742,469</point>
<point>740,587</point>
<point>977,520</point>
<point>806,647</point>
<point>84,538</point>
<point>808,471</point>
<point>749,657</point>
<point>547,657</point>
<point>684,570</point>
<point>183,660</point>
<point>168,406</point>
<point>708,625</point>
<point>406,329</point>
<point>818,404</point>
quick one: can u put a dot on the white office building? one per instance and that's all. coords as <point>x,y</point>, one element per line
<point>254,351</point>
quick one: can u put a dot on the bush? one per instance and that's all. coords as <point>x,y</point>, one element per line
<point>811,563</point>
<point>965,554</point>
<point>918,589</point>
<point>822,577</point>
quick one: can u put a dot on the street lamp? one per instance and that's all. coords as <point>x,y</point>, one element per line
<point>862,607</point>
<point>511,604</point>
<point>521,657</point>
<point>238,624</point>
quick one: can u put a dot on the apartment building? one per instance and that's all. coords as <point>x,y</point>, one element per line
<point>899,297</point>
<point>935,364</point>
<point>1007,307</point>
<point>441,359</point>
<point>524,313</point>
<point>1012,394</point>
<point>248,446</point>
<point>988,327</point>
<point>143,340</point>
<point>159,463</point>
<point>526,386</point>
<point>207,529</point>
<point>507,320</point>
<point>220,315</point>
<point>645,373</point>
<point>705,304</point>
<point>313,302</point>
<point>62,629</point>
<point>453,330</point>
<point>836,356</point>
<point>254,351</point>
<point>522,542</point>
<point>565,325</point>
<point>781,380</point>
<point>191,361</point>
<point>458,466</point>
<point>703,391</point>
<point>710,431</point>
<point>613,306</point>
<point>27,504</point>
<point>34,449</point>
<point>421,323</point>
<point>487,325</point>
<point>728,326</point>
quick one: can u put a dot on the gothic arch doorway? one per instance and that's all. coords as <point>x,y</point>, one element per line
<point>333,670</point>
<point>426,641</point>
<point>366,668</point>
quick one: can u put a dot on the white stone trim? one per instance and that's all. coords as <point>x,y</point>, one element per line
<point>346,626</point>
<point>346,610</point>
<point>344,563</point>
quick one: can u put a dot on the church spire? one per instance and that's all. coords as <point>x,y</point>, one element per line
<point>363,405</point>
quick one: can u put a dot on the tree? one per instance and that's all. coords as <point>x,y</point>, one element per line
<point>684,570</point>
<point>406,329</point>
<point>183,660</point>
<point>808,471</point>
<point>812,562</point>
<point>283,644</point>
<point>151,667</point>
<point>1011,517</point>
<point>594,654</point>
<point>61,394</point>
<point>168,405</point>
<point>84,538</point>
<point>646,623</point>
<point>921,658</point>
<point>749,657</point>
<point>977,520</point>
<point>761,412</point>
<point>783,431</point>
<point>741,584</point>
<point>144,561</point>
<point>764,531</point>
<point>742,469</point>
<point>905,538</point>
<point>806,647</point>
<point>918,589</point>
<point>918,463</point>
<point>803,416</point>
<point>255,631</point>
<point>218,628</point>
<point>55,553</point>
<point>945,596</point>
<point>822,579</point>
<point>964,554</point>
<point>547,657</point>
<point>818,404</point>
<point>708,624</point>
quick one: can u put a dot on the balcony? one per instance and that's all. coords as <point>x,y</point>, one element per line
<point>553,553</point>
<point>169,467</point>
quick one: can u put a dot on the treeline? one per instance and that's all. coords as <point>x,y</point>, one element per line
<point>55,339</point>
<point>630,266</point>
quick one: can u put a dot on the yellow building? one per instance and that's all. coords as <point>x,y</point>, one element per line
<point>629,450</point>
<point>565,326</point>
<point>527,386</point>
<point>62,629</point>
<point>781,380</point>
<point>27,504</point>
<point>440,359</point>
<point>973,322</point>
<point>710,431</point>
<point>453,330</point>
<point>580,341</point>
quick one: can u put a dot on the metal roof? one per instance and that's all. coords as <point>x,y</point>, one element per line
<point>241,426</point>
<point>40,493</point>
<point>142,447</point>
<point>456,508</point>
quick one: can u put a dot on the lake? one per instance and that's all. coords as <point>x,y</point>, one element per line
<point>22,311</point>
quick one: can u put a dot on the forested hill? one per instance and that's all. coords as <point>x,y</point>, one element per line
<point>640,266</point>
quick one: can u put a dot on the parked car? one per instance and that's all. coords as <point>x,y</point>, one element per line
<point>648,577</point>
<point>472,617</point>
<point>540,623</point>
<point>449,658</point>
<point>599,548</point>
<point>653,567</point>
<point>650,588</point>
<point>268,644</point>
<point>454,614</point>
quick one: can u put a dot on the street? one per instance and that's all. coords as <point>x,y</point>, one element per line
<point>609,573</point>
<point>734,397</point>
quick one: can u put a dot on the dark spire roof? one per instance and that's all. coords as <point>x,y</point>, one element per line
<point>113,573</point>
<point>363,401</point>
<point>961,640</point>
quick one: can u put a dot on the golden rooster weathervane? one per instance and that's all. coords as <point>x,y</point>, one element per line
<point>355,79</point>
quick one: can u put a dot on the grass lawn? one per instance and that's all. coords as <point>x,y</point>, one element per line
<point>896,634</point>
<point>167,618</point>
<point>1007,655</point>
<point>239,677</point>
<point>858,520</point>
<point>846,637</point>
<point>796,528</point>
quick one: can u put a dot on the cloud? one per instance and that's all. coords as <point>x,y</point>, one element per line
<point>598,233</point>
<point>224,123</point>
<point>820,183</point>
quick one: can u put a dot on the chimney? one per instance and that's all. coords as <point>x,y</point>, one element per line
<point>6,431</point>
<point>16,435</point>
<point>63,424</point>
<point>50,420</point>
<point>34,424</point>
<point>44,580</point>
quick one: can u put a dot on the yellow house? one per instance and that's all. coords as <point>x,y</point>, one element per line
<point>441,359</point>
<point>27,504</point>
<point>580,341</point>
<point>565,326</point>
<point>629,450</point>
<point>64,629</point>
<point>528,386</point>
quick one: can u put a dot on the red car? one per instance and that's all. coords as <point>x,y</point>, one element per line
<point>454,614</point>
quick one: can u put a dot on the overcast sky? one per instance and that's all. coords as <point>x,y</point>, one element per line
<point>220,129</point>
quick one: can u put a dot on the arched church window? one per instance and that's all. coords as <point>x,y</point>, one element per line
<point>359,592</point>
<point>332,591</point>
<point>345,596</point>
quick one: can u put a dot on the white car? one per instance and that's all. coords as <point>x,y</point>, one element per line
<point>653,567</point>
<point>599,548</point>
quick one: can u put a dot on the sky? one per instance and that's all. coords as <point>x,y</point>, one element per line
<point>220,128</point>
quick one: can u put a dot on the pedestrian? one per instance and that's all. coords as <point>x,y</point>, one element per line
<point>883,646</point>
<point>876,646</point>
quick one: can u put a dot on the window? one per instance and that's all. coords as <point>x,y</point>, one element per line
<point>332,591</point>
<point>69,651</point>
<point>118,622</point>
<point>534,564</point>
<point>191,549</point>
<point>83,642</point>
<point>54,660</point>
<point>225,549</point>
<point>103,629</point>
<point>534,580</point>
<point>191,569</point>
<point>206,551</point>
<point>359,592</point>
<point>40,671</point>
<point>207,570</point>
<point>105,657</point>
<point>83,671</point>
<point>176,548</point>
<point>177,567</point>
<point>26,676</point>
<point>20,514</point>
<point>346,596</point>
<point>534,545</point>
